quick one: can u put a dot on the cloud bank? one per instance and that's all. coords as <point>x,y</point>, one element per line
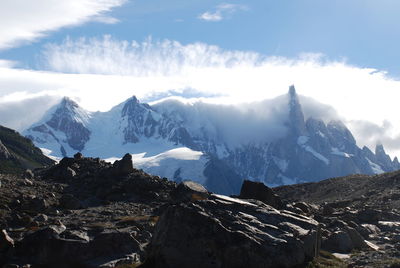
<point>101,72</point>
<point>25,21</point>
<point>231,124</point>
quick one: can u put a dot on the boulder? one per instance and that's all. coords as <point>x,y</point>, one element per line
<point>28,174</point>
<point>47,247</point>
<point>78,156</point>
<point>190,191</point>
<point>338,241</point>
<point>344,241</point>
<point>356,238</point>
<point>123,166</point>
<point>304,207</point>
<point>259,191</point>
<point>369,215</point>
<point>227,232</point>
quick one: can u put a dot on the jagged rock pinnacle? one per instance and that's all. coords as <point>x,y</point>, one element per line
<point>292,90</point>
<point>296,117</point>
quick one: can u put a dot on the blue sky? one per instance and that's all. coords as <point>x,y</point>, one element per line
<point>364,32</point>
<point>100,52</point>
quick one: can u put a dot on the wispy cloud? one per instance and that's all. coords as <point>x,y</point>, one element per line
<point>105,19</point>
<point>221,12</point>
<point>112,70</point>
<point>110,56</point>
<point>25,21</point>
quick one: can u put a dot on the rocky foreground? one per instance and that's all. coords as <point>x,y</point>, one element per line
<point>359,216</point>
<point>84,212</point>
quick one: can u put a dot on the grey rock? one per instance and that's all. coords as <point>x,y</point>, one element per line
<point>28,182</point>
<point>356,238</point>
<point>75,235</point>
<point>227,232</point>
<point>190,191</point>
<point>338,241</point>
<point>28,174</point>
<point>304,207</point>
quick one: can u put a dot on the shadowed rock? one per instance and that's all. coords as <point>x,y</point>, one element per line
<point>124,166</point>
<point>259,191</point>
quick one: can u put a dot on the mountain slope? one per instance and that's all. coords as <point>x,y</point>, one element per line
<point>18,153</point>
<point>271,141</point>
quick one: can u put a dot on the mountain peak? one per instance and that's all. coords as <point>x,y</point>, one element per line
<point>132,106</point>
<point>133,99</point>
<point>292,90</point>
<point>68,103</point>
<point>379,149</point>
<point>296,117</point>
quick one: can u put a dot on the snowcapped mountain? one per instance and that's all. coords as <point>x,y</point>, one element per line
<point>216,145</point>
<point>64,126</point>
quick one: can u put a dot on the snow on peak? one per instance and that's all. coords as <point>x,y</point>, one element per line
<point>302,142</point>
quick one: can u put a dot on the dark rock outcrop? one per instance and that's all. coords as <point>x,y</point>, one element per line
<point>123,166</point>
<point>259,191</point>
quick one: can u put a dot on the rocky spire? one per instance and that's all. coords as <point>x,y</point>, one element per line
<point>396,163</point>
<point>382,158</point>
<point>296,117</point>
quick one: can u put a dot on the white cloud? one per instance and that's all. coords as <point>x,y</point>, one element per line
<point>221,12</point>
<point>104,72</point>
<point>105,19</point>
<point>20,114</point>
<point>109,56</point>
<point>25,21</point>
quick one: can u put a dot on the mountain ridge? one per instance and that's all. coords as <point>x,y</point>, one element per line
<point>279,146</point>
<point>18,153</point>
